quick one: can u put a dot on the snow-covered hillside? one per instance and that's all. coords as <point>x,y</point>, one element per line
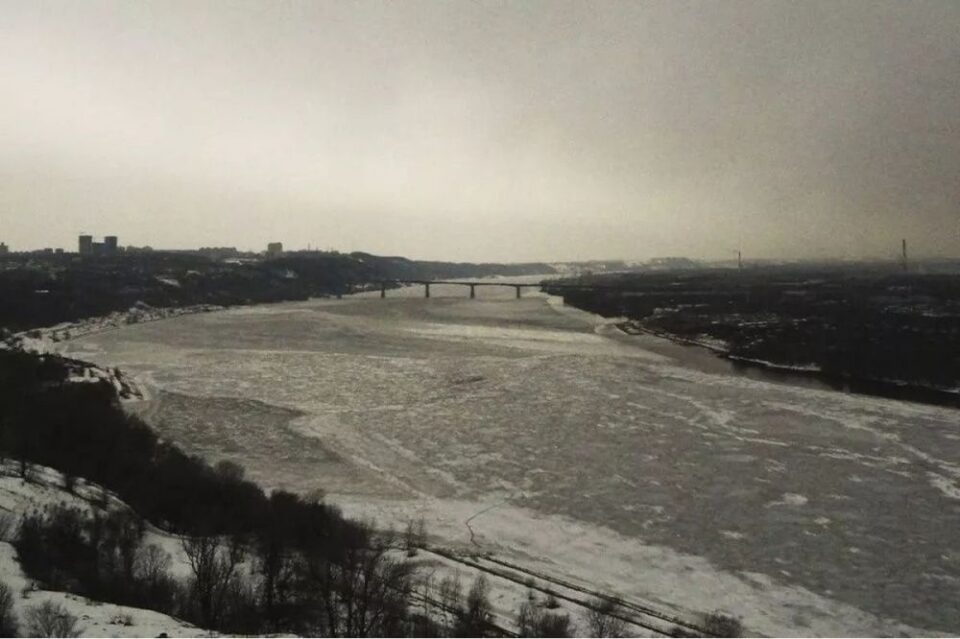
<point>94,618</point>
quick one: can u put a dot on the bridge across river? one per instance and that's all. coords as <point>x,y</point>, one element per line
<point>518,286</point>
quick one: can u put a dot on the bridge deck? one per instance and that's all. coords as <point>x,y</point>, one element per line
<point>384,284</point>
<point>513,284</point>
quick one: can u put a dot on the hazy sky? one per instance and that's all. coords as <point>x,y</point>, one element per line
<point>484,130</point>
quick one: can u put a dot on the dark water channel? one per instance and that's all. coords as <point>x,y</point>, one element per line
<point>707,361</point>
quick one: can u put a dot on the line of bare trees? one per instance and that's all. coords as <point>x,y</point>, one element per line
<point>248,585</point>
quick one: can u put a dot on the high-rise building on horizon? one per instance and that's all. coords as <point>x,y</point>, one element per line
<point>109,246</point>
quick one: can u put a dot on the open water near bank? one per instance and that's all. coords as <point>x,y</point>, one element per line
<point>703,359</point>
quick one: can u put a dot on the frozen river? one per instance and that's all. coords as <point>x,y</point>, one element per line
<point>578,450</point>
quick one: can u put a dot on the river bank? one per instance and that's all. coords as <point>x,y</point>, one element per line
<point>43,340</point>
<point>806,375</point>
<point>877,332</point>
<point>51,339</point>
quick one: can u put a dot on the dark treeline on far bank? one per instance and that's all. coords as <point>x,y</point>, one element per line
<point>38,291</point>
<point>859,323</point>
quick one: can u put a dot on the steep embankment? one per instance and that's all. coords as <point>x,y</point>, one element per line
<point>93,618</point>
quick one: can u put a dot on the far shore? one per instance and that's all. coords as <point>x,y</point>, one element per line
<point>803,375</point>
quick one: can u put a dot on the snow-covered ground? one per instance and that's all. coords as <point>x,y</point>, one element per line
<point>100,619</point>
<point>95,618</point>
<point>536,434</point>
<point>44,340</point>
<point>49,340</point>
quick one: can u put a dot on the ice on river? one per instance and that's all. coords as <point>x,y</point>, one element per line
<point>804,511</point>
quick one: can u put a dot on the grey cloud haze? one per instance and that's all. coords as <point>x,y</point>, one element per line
<point>484,131</point>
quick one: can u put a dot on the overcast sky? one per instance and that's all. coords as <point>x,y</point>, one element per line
<point>484,131</point>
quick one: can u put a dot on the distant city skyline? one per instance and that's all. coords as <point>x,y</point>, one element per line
<point>534,131</point>
<point>110,245</point>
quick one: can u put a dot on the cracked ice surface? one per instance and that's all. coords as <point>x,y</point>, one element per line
<point>806,511</point>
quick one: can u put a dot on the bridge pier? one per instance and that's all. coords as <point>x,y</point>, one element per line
<point>518,291</point>
<point>383,290</point>
<point>473,291</point>
<point>426,290</point>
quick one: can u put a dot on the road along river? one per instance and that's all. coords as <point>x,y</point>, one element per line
<point>543,435</point>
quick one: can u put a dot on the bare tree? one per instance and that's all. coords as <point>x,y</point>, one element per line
<point>364,592</point>
<point>277,565</point>
<point>122,532</point>
<point>8,526</point>
<point>151,563</point>
<point>9,625</point>
<point>720,624</point>
<point>526,617</point>
<point>604,618</point>
<point>26,469</point>
<point>150,569</point>
<point>51,620</point>
<point>476,617</point>
<point>533,621</point>
<point>450,597</point>
<point>429,620</point>
<point>214,565</point>
<point>415,536</point>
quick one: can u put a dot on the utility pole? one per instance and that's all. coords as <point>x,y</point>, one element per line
<point>904,258</point>
<point>740,260</point>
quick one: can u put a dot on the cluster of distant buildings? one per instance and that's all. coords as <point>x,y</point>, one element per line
<point>5,250</point>
<point>110,245</point>
<point>107,247</point>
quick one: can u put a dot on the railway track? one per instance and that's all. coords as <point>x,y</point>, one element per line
<point>641,615</point>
